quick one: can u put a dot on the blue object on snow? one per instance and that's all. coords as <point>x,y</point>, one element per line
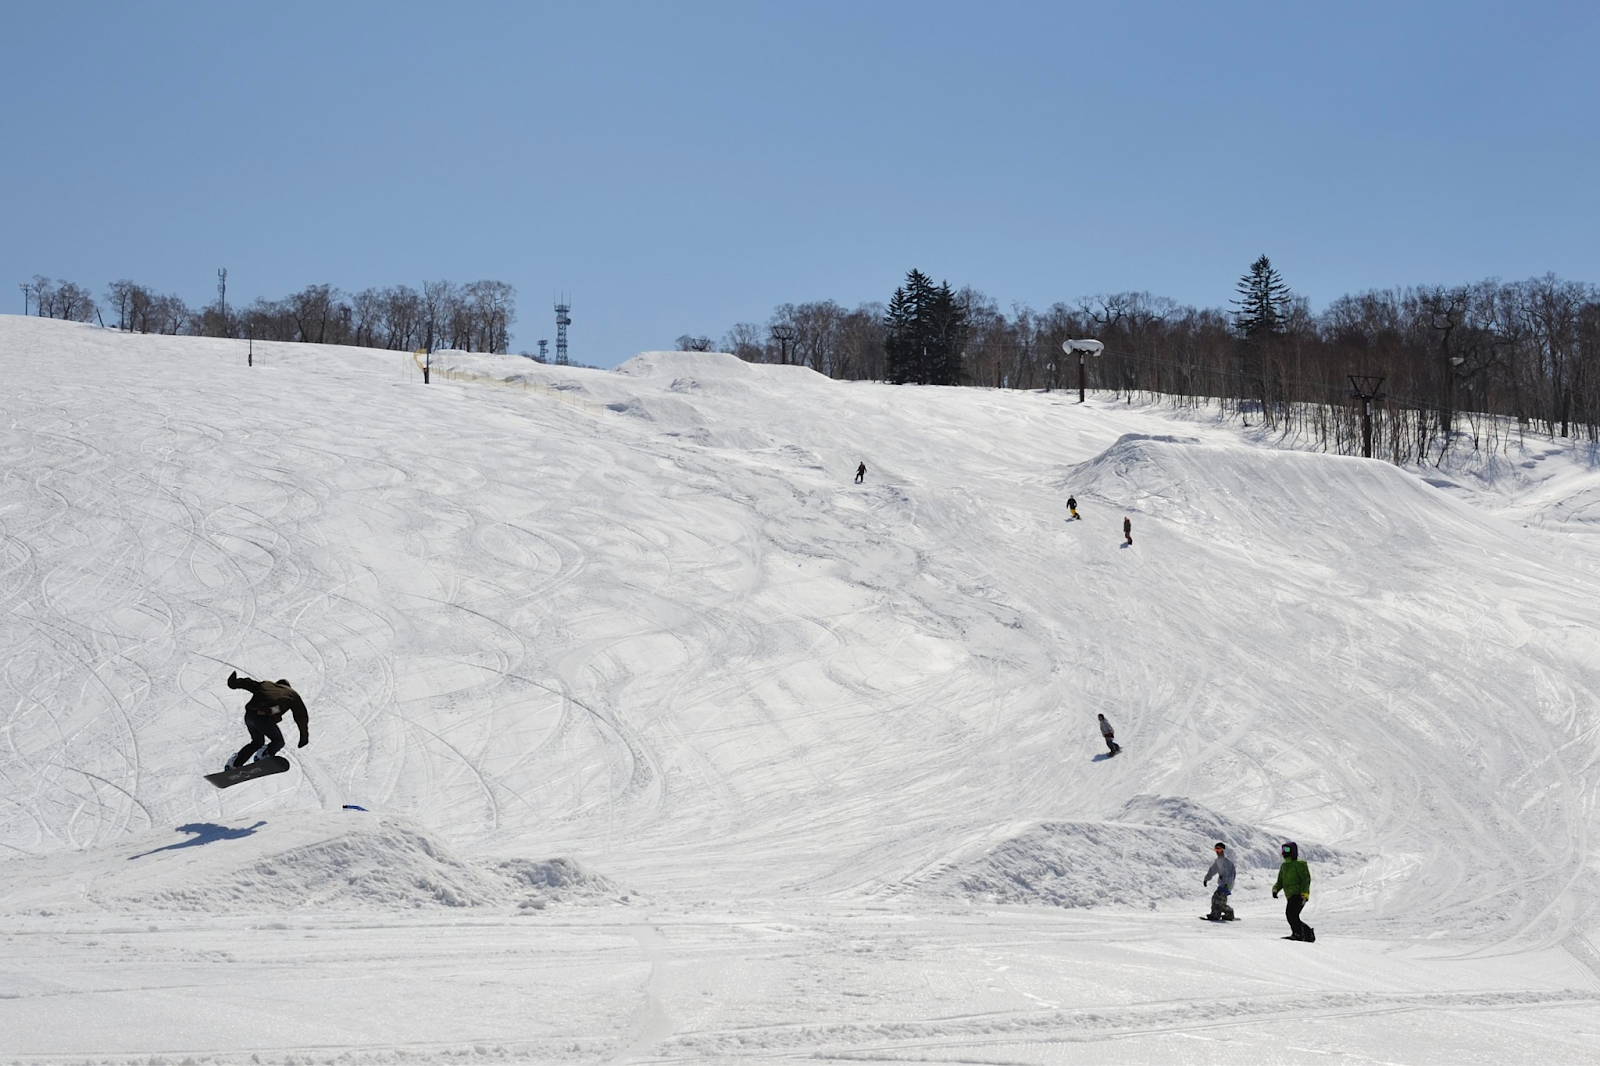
<point>353,807</point>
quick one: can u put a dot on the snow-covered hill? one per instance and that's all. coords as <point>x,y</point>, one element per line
<point>632,679</point>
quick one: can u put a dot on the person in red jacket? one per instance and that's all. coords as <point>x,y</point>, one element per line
<point>269,702</point>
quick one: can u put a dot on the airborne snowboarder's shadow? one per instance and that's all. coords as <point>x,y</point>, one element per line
<point>1104,756</point>
<point>204,833</point>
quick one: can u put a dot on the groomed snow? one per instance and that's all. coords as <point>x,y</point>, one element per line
<point>677,745</point>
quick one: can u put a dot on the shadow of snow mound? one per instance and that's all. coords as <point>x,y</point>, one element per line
<point>1156,848</point>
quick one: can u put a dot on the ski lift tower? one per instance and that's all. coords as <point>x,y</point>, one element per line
<point>563,320</point>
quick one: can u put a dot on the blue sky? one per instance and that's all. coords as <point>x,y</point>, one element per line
<point>681,167</point>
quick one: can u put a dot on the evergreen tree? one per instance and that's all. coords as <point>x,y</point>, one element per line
<point>948,331</point>
<point>899,341</point>
<point>925,333</point>
<point>1263,302</point>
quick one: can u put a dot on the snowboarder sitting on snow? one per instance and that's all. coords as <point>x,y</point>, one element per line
<point>1222,870</point>
<point>269,702</point>
<point>1111,737</point>
<point>1294,880</point>
<point>1072,505</point>
<point>861,473</point>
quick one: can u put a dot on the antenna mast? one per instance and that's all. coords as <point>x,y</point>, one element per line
<point>563,320</point>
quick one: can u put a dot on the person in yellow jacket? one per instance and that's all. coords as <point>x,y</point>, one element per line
<point>1294,881</point>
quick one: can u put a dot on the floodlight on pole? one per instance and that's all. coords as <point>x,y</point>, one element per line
<point>1364,387</point>
<point>1082,347</point>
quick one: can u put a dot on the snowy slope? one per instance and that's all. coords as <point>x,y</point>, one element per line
<point>629,651</point>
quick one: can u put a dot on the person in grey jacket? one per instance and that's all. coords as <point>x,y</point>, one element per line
<point>1222,870</point>
<point>1112,747</point>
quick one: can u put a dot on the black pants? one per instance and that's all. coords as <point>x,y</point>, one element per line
<point>1297,928</point>
<point>263,730</point>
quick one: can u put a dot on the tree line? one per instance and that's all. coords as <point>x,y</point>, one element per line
<point>1461,365</point>
<point>475,317</point>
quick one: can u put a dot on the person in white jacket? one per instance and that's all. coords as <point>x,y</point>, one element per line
<point>1222,870</point>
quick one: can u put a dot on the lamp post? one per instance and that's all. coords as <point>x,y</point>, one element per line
<point>1082,347</point>
<point>783,335</point>
<point>1364,387</point>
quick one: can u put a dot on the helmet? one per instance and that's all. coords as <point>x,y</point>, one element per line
<point>1291,850</point>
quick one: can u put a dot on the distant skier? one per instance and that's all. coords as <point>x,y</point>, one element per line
<point>1294,880</point>
<point>1127,529</point>
<point>1072,505</point>
<point>1222,870</point>
<point>269,702</point>
<point>861,473</point>
<point>1111,737</point>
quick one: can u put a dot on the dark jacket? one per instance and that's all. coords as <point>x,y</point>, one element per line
<point>274,699</point>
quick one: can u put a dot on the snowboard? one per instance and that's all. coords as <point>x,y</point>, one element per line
<point>249,771</point>
<point>1208,918</point>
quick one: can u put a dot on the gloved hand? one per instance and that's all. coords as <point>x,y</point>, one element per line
<point>233,679</point>
<point>1274,893</point>
<point>304,740</point>
<point>1305,896</point>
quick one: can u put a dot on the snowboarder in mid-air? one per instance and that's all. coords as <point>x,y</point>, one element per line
<point>1111,737</point>
<point>269,702</point>
<point>861,473</point>
<point>1294,881</point>
<point>1127,529</point>
<point>1222,870</point>
<point>1072,505</point>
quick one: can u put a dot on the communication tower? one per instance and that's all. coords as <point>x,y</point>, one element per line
<point>544,350</point>
<point>563,320</point>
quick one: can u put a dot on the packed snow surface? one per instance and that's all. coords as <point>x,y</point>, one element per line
<point>675,744</point>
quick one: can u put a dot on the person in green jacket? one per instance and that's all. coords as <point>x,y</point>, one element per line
<point>1294,881</point>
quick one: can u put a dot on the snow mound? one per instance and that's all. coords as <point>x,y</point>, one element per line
<point>296,861</point>
<point>1332,506</point>
<point>685,366</point>
<point>557,880</point>
<point>1156,848</point>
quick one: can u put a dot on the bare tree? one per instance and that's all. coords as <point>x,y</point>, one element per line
<point>73,303</point>
<point>746,340</point>
<point>44,296</point>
